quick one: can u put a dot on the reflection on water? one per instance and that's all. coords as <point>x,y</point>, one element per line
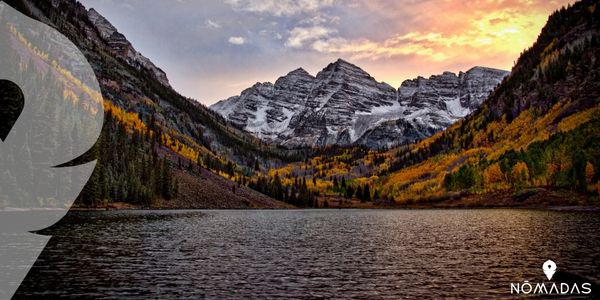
<point>309,253</point>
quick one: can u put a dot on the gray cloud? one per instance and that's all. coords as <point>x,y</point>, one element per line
<point>301,35</point>
<point>212,24</point>
<point>280,7</point>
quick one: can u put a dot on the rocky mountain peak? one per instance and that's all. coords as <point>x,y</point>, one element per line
<point>479,71</point>
<point>299,72</point>
<point>105,28</point>
<point>341,67</point>
<point>259,88</point>
<point>296,76</point>
<point>121,47</point>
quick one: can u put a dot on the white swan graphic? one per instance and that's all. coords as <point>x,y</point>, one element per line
<point>52,112</point>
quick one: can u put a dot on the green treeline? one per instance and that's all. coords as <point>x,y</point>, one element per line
<point>296,194</point>
<point>128,168</point>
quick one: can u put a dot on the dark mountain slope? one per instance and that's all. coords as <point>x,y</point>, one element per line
<point>150,128</point>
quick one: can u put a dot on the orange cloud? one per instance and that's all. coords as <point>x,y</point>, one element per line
<point>444,31</point>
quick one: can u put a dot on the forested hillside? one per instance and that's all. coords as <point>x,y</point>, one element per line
<point>539,128</point>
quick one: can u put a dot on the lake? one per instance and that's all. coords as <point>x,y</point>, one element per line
<point>366,254</point>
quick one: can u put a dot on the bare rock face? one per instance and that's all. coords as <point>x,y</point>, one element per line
<point>439,101</point>
<point>339,94</point>
<point>344,105</point>
<point>121,47</point>
<point>266,109</point>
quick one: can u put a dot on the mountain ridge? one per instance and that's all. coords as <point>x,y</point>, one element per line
<point>344,105</point>
<point>123,48</point>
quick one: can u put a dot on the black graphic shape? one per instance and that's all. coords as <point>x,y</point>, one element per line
<point>11,106</point>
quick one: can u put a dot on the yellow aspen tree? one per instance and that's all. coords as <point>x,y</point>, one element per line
<point>520,173</point>
<point>589,172</point>
<point>493,174</point>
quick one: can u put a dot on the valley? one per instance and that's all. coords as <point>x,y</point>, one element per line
<point>341,138</point>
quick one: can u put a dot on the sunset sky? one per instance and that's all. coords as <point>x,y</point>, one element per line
<point>214,49</point>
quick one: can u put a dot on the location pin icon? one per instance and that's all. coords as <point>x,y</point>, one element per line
<point>549,268</point>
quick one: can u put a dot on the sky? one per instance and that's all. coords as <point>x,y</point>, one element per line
<point>214,49</point>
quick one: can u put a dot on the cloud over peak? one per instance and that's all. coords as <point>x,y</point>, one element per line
<point>301,35</point>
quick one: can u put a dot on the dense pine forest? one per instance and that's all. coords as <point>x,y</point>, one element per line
<point>129,168</point>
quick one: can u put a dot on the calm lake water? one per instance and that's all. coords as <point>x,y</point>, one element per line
<point>366,254</point>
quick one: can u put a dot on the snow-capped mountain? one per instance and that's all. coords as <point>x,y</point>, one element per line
<point>344,105</point>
